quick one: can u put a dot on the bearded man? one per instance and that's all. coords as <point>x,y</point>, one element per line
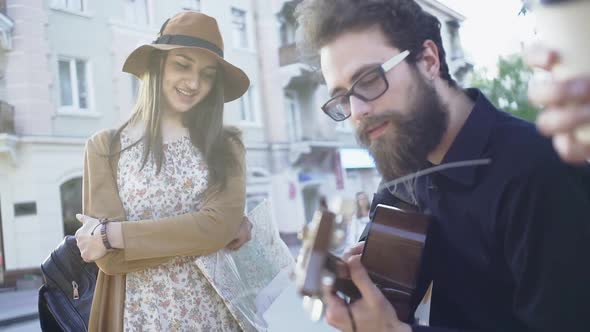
<point>509,245</point>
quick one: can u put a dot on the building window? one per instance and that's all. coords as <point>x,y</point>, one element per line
<point>344,126</point>
<point>25,209</point>
<point>247,110</point>
<point>73,84</point>
<point>453,30</point>
<point>240,29</point>
<point>135,86</point>
<point>287,32</point>
<point>2,269</point>
<point>72,5</point>
<point>136,12</point>
<point>293,116</point>
<point>194,5</point>
<point>71,203</point>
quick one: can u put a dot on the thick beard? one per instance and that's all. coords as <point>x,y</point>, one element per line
<point>405,149</point>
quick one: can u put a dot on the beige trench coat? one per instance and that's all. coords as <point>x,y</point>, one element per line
<point>150,243</point>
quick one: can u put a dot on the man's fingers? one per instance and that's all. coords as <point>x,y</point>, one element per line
<point>246,221</point>
<point>232,245</point>
<point>357,249</point>
<point>564,120</point>
<point>571,150</point>
<point>361,279</point>
<point>574,91</point>
<point>336,313</point>
<point>540,57</point>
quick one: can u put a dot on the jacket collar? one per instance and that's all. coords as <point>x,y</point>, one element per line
<point>472,139</point>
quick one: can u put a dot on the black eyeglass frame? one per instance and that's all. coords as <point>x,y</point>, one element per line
<point>380,70</point>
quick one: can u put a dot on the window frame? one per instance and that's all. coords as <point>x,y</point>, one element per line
<point>62,6</point>
<point>75,108</point>
<point>294,124</point>
<point>286,33</point>
<point>135,87</point>
<point>190,5</point>
<point>148,13</point>
<point>252,116</point>
<point>236,42</point>
<point>74,183</point>
<point>344,126</point>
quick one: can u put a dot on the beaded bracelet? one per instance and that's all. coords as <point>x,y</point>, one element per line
<point>102,222</point>
<point>103,235</point>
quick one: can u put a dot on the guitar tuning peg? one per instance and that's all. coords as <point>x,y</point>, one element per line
<point>303,233</point>
<point>328,280</point>
<point>314,307</point>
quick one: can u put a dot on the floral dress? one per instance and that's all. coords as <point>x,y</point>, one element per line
<point>174,296</point>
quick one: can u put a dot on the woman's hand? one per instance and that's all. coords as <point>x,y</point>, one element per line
<point>244,235</point>
<point>566,103</point>
<point>90,245</point>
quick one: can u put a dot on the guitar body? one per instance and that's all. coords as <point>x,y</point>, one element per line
<point>393,253</point>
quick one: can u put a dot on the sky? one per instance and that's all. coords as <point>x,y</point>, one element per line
<point>492,28</point>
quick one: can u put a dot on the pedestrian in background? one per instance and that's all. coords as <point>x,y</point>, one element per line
<point>361,220</point>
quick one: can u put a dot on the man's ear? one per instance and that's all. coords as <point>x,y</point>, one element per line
<point>429,63</point>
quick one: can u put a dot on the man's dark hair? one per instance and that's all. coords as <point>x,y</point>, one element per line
<point>406,25</point>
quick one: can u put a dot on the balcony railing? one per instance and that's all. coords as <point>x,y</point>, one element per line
<point>6,118</point>
<point>288,55</point>
<point>6,26</point>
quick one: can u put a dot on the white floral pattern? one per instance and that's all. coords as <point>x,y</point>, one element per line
<point>175,296</point>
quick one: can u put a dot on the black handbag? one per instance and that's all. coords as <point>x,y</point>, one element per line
<point>65,298</point>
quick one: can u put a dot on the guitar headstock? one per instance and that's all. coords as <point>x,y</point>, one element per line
<point>315,264</point>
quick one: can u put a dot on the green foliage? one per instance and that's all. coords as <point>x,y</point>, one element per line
<point>508,90</point>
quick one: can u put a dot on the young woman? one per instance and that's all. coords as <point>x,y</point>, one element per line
<point>173,178</point>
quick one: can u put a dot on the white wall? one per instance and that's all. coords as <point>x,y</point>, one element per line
<point>42,168</point>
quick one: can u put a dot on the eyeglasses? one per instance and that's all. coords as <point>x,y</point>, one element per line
<point>370,86</point>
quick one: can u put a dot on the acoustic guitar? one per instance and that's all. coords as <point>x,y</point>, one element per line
<point>392,255</point>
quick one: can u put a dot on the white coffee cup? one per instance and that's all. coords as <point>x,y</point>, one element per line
<point>564,25</point>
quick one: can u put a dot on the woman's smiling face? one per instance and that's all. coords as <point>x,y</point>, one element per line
<point>189,75</point>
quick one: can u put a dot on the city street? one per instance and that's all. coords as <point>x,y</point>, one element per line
<point>19,307</point>
<point>29,326</point>
<point>194,149</point>
<point>286,314</point>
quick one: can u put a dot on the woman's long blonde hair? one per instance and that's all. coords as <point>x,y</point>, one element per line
<point>204,123</point>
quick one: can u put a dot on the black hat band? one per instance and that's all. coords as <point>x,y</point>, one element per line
<point>189,41</point>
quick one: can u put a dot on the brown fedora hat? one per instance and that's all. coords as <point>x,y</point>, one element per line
<point>191,30</point>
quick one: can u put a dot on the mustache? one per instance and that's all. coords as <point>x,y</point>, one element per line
<point>373,120</point>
